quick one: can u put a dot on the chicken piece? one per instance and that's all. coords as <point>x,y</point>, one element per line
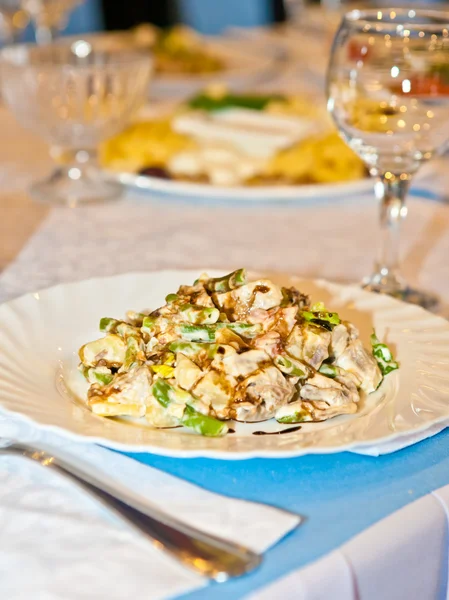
<point>352,330</point>
<point>357,360</point>
<point>160,418</point>
<point>136,318</point>
<point>160,330</point>
<point>257,316</point>
<point>131,388</point>
<point>278,324</point>
<point>242,365</point>
<point>187,373</point>
<point>238,302</point>
<point>109,409</point>
<point>309,343</point>
<point>109,351</point>
<point>330,390</point>
<point>339,341</point>
<point>260,395</point>
<point>349,380</point>
<point>323,398</point>
<point>222,352</point>
<point>281,320</point>
<point>230,338</point>
<point>270,342</point>
<point>215,391</point>
<point>195,294</point>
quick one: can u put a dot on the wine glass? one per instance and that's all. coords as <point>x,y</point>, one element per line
<point>13,20</point>
<point>74,96</point>
<point>49,17</point>
<point>388,93</point>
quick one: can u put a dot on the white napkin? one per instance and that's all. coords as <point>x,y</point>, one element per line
<point>57,542</point>
<point>401,442</point>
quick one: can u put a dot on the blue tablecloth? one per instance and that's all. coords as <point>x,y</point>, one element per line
<point>340,494</point>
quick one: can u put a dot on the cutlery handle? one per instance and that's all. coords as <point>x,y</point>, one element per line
<point>210,556</point>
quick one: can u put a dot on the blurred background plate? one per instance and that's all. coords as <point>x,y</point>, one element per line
<point>242,193</point>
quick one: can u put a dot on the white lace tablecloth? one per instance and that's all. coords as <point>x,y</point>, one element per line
<point>335,240</point>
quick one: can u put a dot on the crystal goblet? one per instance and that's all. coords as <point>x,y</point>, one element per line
<point>74,96</point>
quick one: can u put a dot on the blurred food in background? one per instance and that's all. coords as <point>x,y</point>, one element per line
<point>180,50</point>
<point>186,62</point>
<point>225,139</point>
<point>177,50</point>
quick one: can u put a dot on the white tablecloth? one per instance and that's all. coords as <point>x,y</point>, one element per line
<point>403,557</point>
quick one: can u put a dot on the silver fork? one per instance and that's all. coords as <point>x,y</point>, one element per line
<point>210,556</point>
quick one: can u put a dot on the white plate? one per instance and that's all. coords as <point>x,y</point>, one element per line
<point>40,334</point>
<point>243,193</point>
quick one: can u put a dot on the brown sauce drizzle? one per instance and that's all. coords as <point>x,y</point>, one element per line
<point>231,430</point>
<point>289,430</point>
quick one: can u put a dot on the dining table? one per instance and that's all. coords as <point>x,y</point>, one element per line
<point>375,525</point>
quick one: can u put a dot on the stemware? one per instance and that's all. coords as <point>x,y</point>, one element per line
<point>74,95</point>
<point>388,92</point>
<point>49,16</point>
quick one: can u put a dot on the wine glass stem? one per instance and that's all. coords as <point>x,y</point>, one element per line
<point>391,190</point>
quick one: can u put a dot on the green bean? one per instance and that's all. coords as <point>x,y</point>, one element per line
<point>134,354</point>
<point>296,412</point>
<point>290,366</point>
<point>329,371</point>
<point>165,393</point>
<point>227,283</point>
<point>249,330</point>
<point>206,333</point>
<point>296,417</point>
<point>203,424</point>
<point>200,315</point>
<point>171,298</point>
<point>108,325</point>
<point>100,375</point>
<point>193,348</point>
<point>321,317</point>
<point>149,325</point>
<point>197,333</point>
<point>383,356</point>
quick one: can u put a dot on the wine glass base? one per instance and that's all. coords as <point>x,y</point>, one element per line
<point>73,187</point>
<point>405,293</point>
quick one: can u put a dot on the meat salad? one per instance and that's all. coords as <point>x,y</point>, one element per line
<point>228,349</point>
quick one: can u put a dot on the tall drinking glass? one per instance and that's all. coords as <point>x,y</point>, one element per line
<point>388,92</point>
